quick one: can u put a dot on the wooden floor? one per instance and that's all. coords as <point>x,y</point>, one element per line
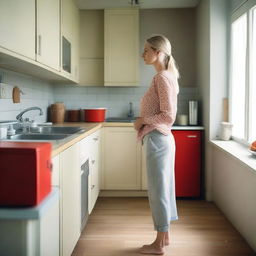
<point>119,226</point>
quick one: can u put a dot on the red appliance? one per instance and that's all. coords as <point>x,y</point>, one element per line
<point>25,173</point>
<point>188,162</point>
<point>94,115</point>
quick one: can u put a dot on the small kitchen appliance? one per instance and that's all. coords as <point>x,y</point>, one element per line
<point>25,173</point>
<point>193,112</point>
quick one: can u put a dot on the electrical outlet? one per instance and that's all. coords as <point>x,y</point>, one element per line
<point>5,91</point>
<point>2,91</point>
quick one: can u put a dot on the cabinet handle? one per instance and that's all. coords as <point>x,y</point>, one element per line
<point>95,139</point>
<point>192,136</point>
<point>39,44</point>
<point>92,187</point>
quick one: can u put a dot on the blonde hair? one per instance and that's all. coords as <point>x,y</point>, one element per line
<point>161,43</point>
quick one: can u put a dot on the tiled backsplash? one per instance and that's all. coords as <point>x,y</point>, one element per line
<point>116,100</point>
<point>42,94</point>
<point>36,93</point>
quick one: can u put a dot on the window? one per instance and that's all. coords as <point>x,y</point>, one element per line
<point>253,79</point>
<point>243,76</point>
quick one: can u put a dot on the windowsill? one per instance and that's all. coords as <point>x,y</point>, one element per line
<point>237,151</point>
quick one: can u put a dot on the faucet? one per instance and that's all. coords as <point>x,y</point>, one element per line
<point>19,116</point>
<point>131,112</point>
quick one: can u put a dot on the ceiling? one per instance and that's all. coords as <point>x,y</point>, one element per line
<point>143,4</point>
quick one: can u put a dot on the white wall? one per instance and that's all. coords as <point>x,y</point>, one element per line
<point>231,185</point>
<point>234,192</point>
<point>36,93</point>
<point>219,34</point>
<point>212,54</point>
<point>203,81</point>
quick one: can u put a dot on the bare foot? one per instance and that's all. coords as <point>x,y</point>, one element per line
<point>151,249</point>
<point>166,239</point>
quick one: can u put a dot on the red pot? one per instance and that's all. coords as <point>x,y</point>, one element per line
<point>94,114</point>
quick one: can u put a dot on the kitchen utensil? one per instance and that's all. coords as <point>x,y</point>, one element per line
<point>16,95</point>
<point>94,115</point>
<point>225,110</point>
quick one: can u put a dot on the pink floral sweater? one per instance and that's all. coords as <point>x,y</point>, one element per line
<point>159,104</point>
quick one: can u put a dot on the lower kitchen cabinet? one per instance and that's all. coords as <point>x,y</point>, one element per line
<point>90,148</point>
<point>121,167</point>
<point>94,176</point>
<point>70,219</point>
<point>188,162</point>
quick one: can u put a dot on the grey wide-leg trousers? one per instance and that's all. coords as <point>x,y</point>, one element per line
<point>160,157</point>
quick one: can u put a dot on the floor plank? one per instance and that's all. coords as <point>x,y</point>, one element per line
<point>119,226</point>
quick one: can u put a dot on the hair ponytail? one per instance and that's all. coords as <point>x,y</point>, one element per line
<point>171,65</point>
<point>161,43</point>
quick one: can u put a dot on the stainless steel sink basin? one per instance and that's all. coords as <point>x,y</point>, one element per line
<point>59,130</point>
<point>120,119</point>
<point>39,136</point>
<point>52,133</point>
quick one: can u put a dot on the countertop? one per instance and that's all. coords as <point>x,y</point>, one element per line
<point>60,145</point>
<point>90,128</point>
<point>25,213</point>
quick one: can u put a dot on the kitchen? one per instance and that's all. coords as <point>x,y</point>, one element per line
<point>199,35</point>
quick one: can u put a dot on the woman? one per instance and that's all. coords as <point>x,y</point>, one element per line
<point>158,112</point>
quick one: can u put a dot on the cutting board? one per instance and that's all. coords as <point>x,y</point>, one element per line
<point>16,94</point>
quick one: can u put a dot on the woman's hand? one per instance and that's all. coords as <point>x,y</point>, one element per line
<point>138,123</point>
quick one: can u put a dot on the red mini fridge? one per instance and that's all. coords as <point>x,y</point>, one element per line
<point>25,173</point>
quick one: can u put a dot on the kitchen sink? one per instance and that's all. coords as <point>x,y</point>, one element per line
<point>52,133</point>
<point>39,136</point>
<point>120,119</point>
<point>59,130</point>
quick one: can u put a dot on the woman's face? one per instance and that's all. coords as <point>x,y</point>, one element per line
<point>149,55</point>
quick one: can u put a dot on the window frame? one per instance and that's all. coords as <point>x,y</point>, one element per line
<point>246,8</point>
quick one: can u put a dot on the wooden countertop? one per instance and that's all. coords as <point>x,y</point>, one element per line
<point>60,146</point>
<point>90,128</point>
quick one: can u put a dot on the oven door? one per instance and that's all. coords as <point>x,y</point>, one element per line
<point>84,193</point>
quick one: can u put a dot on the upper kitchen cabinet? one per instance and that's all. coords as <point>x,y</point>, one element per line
<point>30,38</point>
<point>121,56</point>
<point>70,39</point>
<point>91,48</point>
<point>17,27</point>
<point>48,33</point>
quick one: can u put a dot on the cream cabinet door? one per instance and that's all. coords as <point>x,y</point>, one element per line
<point>56,171</point>
<point>70,199</point>
<point>48,33</point>
<point>121,168</point>
<point>95,170</point>
<point>70,30</point>
<point>17,27</point>
<point>121,62</point>
<point>91,48</point>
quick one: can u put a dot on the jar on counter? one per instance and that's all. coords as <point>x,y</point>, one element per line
<point>57,112</point>
<point>73,115</point>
